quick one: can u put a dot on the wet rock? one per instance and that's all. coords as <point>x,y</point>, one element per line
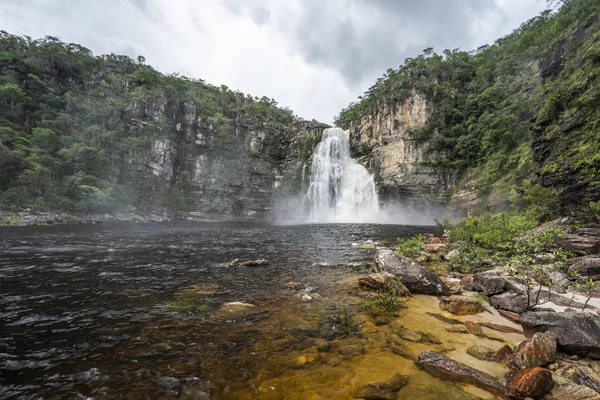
<point>351,350</point>
<point>529,382</point>
<point>474,329</point>
<point>306,298</point>
<point>294,285</point>
<point>510,301</point>
<point>583,375</point>
<point>446,320</point>
<point>168,383</point>
<point>418,337</point>
<point>384,280</point>
<point>403,351</point>
<point>457,329</point>
<point>577,333</point>
<point>247,263</point>
<point>538,351</point>
<point>503,352</point>
<point>573,392</point>
<point>368,244</point>
<point>481,352</point>
<point>305,359</point>
<point>586,266</point>
<point>381,390</point>
<point>201,289</point>
<point>460,306</point>
<point>415,277</point>
<point>446,368</point>
<point>579,244</point>
<point>500,328</point>
<point>322,345</point>
<point>238,311</point>
<point>514,317</point>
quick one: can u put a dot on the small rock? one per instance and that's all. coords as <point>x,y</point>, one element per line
<point>247,263</point>
<point>514,317</point>
<point>474,329</point>
<point>381,390</point>
<point>500,328</point>
<point>351,350</point>
<point>385,281</point>
<point>538,351</point>
<point>293,285</point>
<point>481,352</point>
<point>447,320</point>
<point>503,353</point>
<point>323,345</point>
<point>529,382</point>
<point>411,336</point>
<point>467,282</point>
<point>457,329</point>
<point>453,284</point>
<point>305,359</point>
<point>430,338</point>
<point>403,351</point>
<point>460,306</point>
<point>306,298</point>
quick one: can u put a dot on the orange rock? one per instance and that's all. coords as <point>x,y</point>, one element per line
<point>529,382</point>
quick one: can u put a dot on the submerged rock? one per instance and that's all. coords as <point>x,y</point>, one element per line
<point>500,328</point>
<point>415,277</point>
<point>446,368</point>
<point>402,350</point>
<point>538,351</point>
<point>247,263</point>
<point>381,390</point>
<point>447,320</point>
<point>460,306</point>
<point>418,336</point>
<point>577,333</point>
<point>529,382</point>
<point>481,352</point>
<point>385,281</point>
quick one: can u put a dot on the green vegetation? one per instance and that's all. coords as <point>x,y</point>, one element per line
<point>519,117</point>
<point>410,247</point>
<point>383,302</point>
<point>78,132</point>
<point>186,303</point>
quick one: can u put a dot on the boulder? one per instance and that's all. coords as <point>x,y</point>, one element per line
<point>530,382</point>
<point>587,266</point>
<point>446,368</point>
<point>582,375</point>
<point>577,333</point>
<point>460,306</point>
<point>415,277</point>
<point>510,301</point>
<point>384,281</point>
<point>453,284</point>
<point>489,282</point>
<point>538,351</point>
<point>579,244</point>
<point>381,390</point>
<point>573,392</point>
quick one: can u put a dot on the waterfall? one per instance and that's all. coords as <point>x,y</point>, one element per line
<point>340,190</point>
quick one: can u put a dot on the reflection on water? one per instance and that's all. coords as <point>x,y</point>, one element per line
<point>82,314</point>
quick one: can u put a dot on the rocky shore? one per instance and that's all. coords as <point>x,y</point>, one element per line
<point>63,218</point>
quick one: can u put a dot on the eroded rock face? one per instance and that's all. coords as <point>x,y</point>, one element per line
<point>529,382</point>
<point>460,306</point>
<point>538,351</point>
<point>577,333</point>
<point>384,144</point>
<point>446,368</point>
<point>587,266</point>
<point>415,277</point>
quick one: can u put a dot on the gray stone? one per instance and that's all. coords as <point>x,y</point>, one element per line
<point>586,266</point>
<point>415,277</point>
<point>510,301</point>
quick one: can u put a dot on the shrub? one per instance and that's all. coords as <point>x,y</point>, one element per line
<point>185,303</point>
<point>410,247</point>
<point>383,302</point>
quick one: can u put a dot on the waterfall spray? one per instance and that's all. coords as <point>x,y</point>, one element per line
<point>340,190</point>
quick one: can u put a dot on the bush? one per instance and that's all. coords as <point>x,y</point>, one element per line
<point>185,303</point>
<point>384,302</point>
<point>410,247</point>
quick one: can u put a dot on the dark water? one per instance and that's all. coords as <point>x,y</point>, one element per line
<point>81,306</point>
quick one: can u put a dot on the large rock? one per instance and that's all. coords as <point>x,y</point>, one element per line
<point>587,266</point>
<point>538,351</point>
<point>489,282</point>
<point>460,305</point>
<point>528,383</point>
<point>510,301</point>
<point>446,368</point>
<point>577,333</point>
<point>582,375</point>
<point>381,390</point>
<point>415,277</point>
<point>384,281</point>
<point>580,244</point>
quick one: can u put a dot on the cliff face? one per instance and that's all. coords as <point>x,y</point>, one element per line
<point>217,177</point>
<point>385,143</point>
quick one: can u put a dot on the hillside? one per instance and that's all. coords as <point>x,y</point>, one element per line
<point>513,123</point>
<point>83,133</point>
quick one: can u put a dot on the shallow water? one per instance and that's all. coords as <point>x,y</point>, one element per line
<point>82,314</point>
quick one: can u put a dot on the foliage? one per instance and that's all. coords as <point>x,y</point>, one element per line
<point>78,131</point>
<point>383,302</point>
<point>480,298</point>
<point>186,303</point>
<point>488,107</point>
<point>410,247</point>
<point>344,321</point>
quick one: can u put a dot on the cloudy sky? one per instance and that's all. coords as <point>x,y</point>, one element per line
<point>314,56</point>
